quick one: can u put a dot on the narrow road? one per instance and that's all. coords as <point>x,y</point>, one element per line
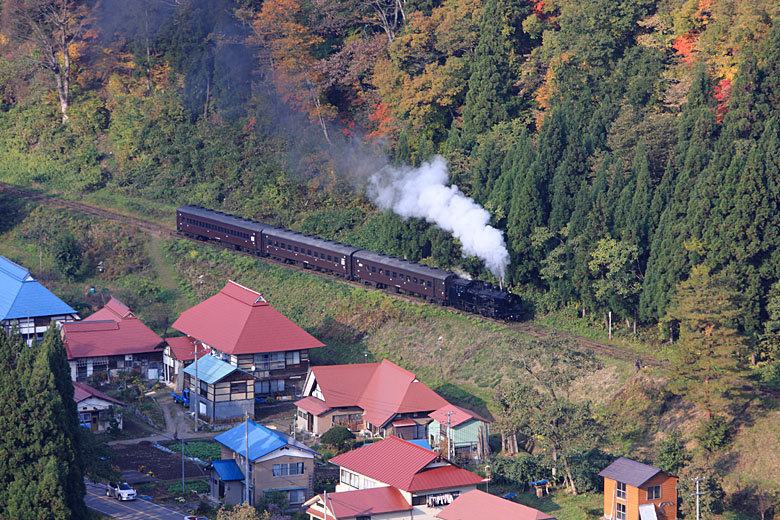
<point>138,509</point>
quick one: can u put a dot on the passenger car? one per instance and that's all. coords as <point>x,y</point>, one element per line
<point>120,491</point>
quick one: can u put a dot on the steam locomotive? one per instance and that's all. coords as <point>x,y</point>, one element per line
<point>375,269</point>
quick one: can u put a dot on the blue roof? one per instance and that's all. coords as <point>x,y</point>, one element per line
<point>262,440</point>
<point>421,443</point>
<point>228,470</point>
<point>21,296</point>
<point>210,369</point>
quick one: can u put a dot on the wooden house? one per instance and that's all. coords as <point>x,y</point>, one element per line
<point>178,354</point>
<point>276,462</point>
<point>96,410</point>
<point>219,392</point>
<point>238,326</point>
<point>415,483</point>
<point>382,398</point>
<point>110,341</point>
<point>459,433</point>
<point>28,306</point>
<point>636,491</point>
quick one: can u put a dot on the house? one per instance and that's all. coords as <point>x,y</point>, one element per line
<point>276,462</point>
<point>224,392</point>
<point>379,397</point>
<point>240,327</point>
<point>110,341</point>
<point>475,504</point>
<point>636,491</point>
<point>421,478</point>
<point>177,354</point>
<point>27,305</point>
<point>459,432</point>
<point>96,410</point>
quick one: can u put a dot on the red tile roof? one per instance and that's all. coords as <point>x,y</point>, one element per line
<point>113,310</point>
<point>382,390</point>
<point>183,348</point>
<point>108,338</point>
<point>475,503</point>
<point>404,465</point>
<point>237,320</point>
<point>361,502</point>
<point>457,417</point>
<point>82,392</point>
<point>312,405</point>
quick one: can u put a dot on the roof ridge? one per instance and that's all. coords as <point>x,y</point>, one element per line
<point>259,294</point>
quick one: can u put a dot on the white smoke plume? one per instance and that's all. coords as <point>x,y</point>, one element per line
<point>423,193</point>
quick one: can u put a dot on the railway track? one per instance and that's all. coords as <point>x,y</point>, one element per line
<point>528,328</point>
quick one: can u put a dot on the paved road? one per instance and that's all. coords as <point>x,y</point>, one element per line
<point>132,510</point>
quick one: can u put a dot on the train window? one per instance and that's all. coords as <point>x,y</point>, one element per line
<point>282,245</point>
<point>289,247</point>
<point>395,275</point>
<point>415,281</point>
<point>296,250</point>
<point>316,255</point>
<point>373,270</point>
<point>429,283</point>
<point>380,272</point>
<point>408,279</point>
<point>330,259</point>
<point>308,253</point>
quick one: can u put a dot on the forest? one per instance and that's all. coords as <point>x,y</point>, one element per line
<point>627,149</point>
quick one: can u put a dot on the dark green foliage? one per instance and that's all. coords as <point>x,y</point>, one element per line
<point>585,468</point>
<point>67,253</point>
<point>711,500</point>
<point>337,436</point>
<point>713,434</point>
<point>519,470</point>
<point>670,453</point>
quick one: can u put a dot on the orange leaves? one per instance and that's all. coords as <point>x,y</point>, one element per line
<point>722,96</point>
<point>383,119</point>
<point>685,45</point>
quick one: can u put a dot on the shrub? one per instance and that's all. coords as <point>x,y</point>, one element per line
<point>337,436</point>
<point>713,434</point>
<point>585,467</point>
<point>670,453</point>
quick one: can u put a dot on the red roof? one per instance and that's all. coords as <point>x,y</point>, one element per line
<point>113,310</point>
<point>108,338</point>
<point>312,405</point>
<point>404,465</point>
<point>361,502</point>
<point>183,348</point>
<point>403,422</point>
<point>457,416</point>
<point>475,503</point>
<point>82,392</point>
<point>237,320</point>
<point>382,390</point>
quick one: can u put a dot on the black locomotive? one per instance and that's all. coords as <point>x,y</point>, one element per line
<point>381,271</point>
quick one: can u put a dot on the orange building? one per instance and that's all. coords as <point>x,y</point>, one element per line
<point>636,491</point>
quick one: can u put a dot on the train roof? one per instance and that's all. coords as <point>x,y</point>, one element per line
<point>330,245</point>
<point>425,270</point>
<point>224,218</point>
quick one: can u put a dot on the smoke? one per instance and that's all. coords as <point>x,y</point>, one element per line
<point>423,193</point>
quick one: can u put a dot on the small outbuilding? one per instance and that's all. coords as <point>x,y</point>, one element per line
<point>220,392</point>
<point>636,491</point>
<point>96,410</point>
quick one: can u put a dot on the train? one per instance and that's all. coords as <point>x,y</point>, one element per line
<point>434,285</point>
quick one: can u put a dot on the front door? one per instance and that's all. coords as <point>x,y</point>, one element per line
<point>221,489</point>
<point>310,423</point>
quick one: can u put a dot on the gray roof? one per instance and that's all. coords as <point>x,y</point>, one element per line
<point>224,218</point>
<point>424,270</point>
<point>286,234</point>
<point>630,472</point>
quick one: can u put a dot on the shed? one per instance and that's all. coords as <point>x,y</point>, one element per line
<point>636,491</point>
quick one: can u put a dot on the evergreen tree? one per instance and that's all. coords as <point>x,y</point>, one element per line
<point>490,98</point>
<point>705,364</point>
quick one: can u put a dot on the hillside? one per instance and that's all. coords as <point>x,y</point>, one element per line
<point>628,152</point>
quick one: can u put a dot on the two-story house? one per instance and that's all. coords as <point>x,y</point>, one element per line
<point>110,341</point>
<point>422,483</point>
<point>636,491</point>
<point>276,462</point>
<point>379,397</point>
<point>27,305</point>
<point>238,326</point>
<point>219,391</point>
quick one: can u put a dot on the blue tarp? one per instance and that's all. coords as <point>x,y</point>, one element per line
<point>228,470</point>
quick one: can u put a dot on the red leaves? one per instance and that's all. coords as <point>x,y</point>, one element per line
<point>383,119</point>
<point>722,96</point>
<point>685,45</point>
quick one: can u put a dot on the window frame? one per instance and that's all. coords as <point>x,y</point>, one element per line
<point>620,512</point>
<point>656,496</point>
<point>620,490</point>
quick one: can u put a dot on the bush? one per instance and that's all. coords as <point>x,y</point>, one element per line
<point>585,467</point>
<point>337,436</point>
<point>518,471</point>
<point>713,434</point>
<point>670,453</point>
<point>769,374</point>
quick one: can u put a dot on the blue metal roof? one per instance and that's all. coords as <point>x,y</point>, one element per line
<point>262,440</point>
<point>227,470</point>
<point>210,369</point>
<point>21,296</point>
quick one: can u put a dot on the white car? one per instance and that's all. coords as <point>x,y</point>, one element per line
<point>120,491</point>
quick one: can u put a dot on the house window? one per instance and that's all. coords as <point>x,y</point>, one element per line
<point>654,492</point>
<point>620,513</point>
<point>284,470</point>
<point>85,417</point>
<point>350,479</point>
<point>297,496</point>
<point>368,484</point>
<point>620,490</point>
<point>363,517</point>
<point>204,389</point>
<point>238,387</point>
<point>273,361</point>
<point>292,358</point>
<point>270,387</point>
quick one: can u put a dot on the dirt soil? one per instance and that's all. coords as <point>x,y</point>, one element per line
<point>144,457</point>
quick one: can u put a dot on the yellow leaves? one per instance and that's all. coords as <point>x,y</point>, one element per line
<point>3,39</point>
<point>160,74</point>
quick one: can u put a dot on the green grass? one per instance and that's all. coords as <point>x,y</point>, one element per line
<point>190,486</point>
<point>203,450</point>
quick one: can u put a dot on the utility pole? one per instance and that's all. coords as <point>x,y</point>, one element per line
<point>698,494</point>
<point>182,464</point>
<point>449,435</point>
<point>246,459</point>
<point>441,346</point>
<point>197,382</point>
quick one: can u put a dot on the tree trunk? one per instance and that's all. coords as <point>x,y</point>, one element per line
<point>63,75</point>
<point>569,477</point>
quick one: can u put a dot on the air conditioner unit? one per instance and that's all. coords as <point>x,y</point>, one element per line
<point>128,357</point>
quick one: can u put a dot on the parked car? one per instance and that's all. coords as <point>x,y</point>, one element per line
<point>120,491</point>
<point>191,517</point>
